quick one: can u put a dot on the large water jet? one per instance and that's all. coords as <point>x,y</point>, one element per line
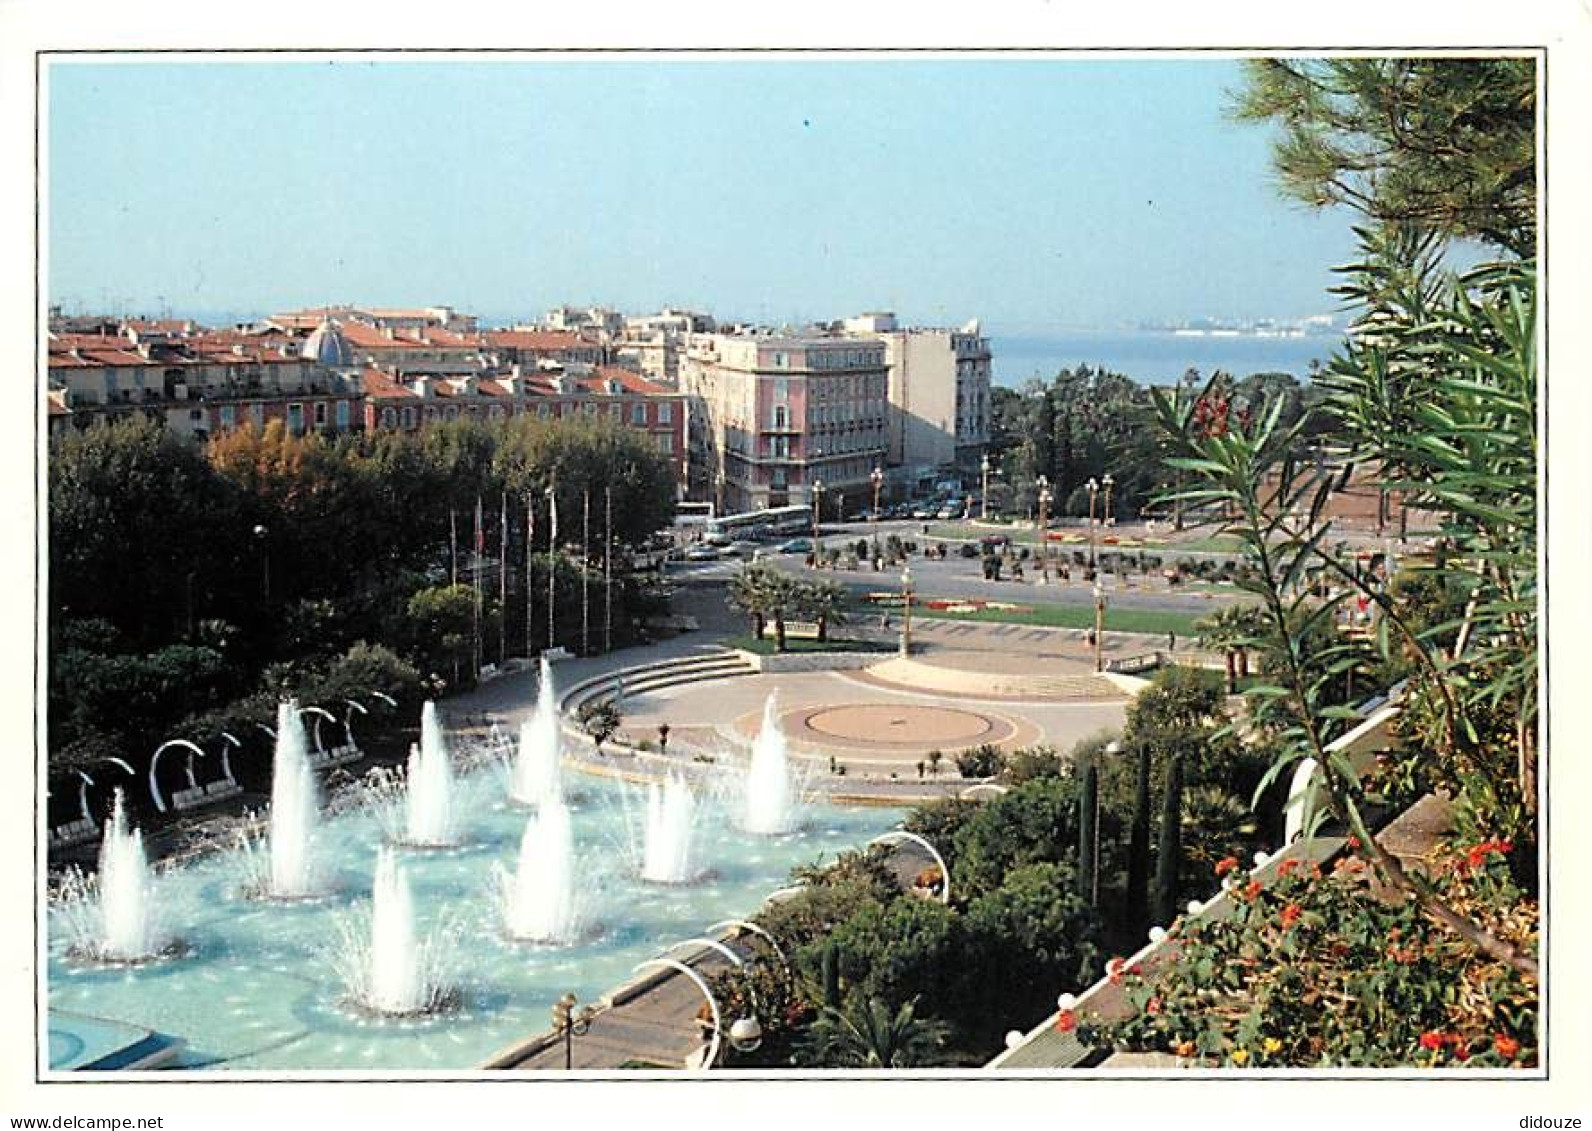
<point>671,819</point>
<point>537,776</point>
<point>539,898</point>
<point>295,808</point>
<point>769,803</point>
<point>429,816</point>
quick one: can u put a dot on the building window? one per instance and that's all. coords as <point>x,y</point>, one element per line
<point>295,418</point>
<point>665,412</point>
<point>257,415</point>
<point>342,414</point>
<point>389,419</point>
<point>320,414</point>
<point>781,417</point>
<point>229,416</point>
<point>541,412</point>
<point>638,413</point>
<point>409,417</point>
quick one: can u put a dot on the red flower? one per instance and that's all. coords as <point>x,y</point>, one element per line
<point>1432,1040</point>
<point>1506,1047</point>
<point>1287,867</point>
<point>1354,842</point>
<point>1153,1006</point>
<point>1226,864</point>
<point>1114,971</point>
<point>1461,1051</point>
<point>1290,915</point>
<point>1066,1021</point>
<point>1252,890</point>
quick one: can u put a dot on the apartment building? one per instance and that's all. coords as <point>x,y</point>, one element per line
<point>939,394</point>
<point>773,416</point>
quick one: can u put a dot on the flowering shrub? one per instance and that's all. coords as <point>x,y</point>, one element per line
<point>1320,971</point>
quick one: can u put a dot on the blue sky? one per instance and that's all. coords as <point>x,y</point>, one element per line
<point>1067,192</point>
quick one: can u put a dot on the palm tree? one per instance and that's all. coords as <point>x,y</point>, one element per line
<point>751,591</point>
<point>825,602</point>
<point>867,1033</point>
<point>784,597</point>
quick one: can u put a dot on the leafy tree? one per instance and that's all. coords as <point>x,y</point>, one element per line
<point>441,625</point>
<point>1040,934</point>
<point>1446,144</point>
<point>1035,822</point>
<point>599,718</point>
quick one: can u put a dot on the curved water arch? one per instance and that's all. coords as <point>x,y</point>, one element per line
<point>701,984</point>
<point>385,698</point>
<point>154,786</point>
<point>972,792</point>
<point>226,755</point>
<point>315,730</point>
<point>711,944</point>
<point>348,719</point>
<point>895,835</point>
<point>753,928</point>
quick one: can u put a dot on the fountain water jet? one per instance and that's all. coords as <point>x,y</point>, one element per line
<point>770,795</point>
<point>537,777</point>
<point>671,817</point>
<point>295,807</point>
<point>539,898</point>
<point>395,983</point>
<point>429,805</point>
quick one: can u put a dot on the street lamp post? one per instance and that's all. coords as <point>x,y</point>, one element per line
<point>1044,530</point>
<point>718,493</point>
<point>1094,488</point>
<point>1100,625</point>
<point>818,507</point>
<point>878,481</point>
<point>906,612</point>
<point>1109,516</point>
<point>261,533</point>
<point>569,1023</point>
<point>983,506</point>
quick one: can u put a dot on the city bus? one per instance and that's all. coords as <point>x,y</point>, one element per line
<point>775,520</point>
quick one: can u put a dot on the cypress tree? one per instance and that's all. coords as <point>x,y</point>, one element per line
<point>1136,903</point>
<point>1088,808</point>
<point>1169,847</point>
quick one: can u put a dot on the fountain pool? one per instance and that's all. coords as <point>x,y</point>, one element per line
<point>263,987</point>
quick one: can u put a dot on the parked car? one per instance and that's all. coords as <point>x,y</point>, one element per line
<point>950,511</point>
<point>924,510</point>
<point>702,554</point>
<point>719,539</point>
<point>994,541</point>
<point>794,546</point>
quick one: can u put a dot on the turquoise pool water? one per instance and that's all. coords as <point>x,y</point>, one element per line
<point>261,989</point>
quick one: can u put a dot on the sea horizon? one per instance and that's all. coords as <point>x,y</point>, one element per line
<point>1153,357</point>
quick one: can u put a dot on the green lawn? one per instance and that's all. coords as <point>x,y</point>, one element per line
<point>1075,616</point>
<point>765,647</point>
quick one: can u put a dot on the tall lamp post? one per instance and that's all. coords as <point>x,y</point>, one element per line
<point>1094,489</point>
<point>1044,530</point>
<point>1108,516</point>
<point>1100,625</point>
<point>878,481</point>
<point>569,1023</point>
<point>262,534</point>
<point>983,506</point>
<point>906,612</point>
<point>818,508</point>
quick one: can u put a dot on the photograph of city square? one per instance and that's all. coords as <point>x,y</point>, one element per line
<point>762,565</point>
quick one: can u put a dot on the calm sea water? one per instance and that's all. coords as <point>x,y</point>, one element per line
<point>1152,358</point>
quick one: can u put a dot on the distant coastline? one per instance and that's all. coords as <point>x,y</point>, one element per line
<point>1155,357</point>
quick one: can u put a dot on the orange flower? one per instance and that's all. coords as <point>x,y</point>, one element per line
<point>1432,1040</point>
<point>1461,1051</point>
<point>1354,842</point>
<point>1506,1047</point>
<point>1252,890</point>
<point>1184,1048</point>
<point>1290,915</point>
<point>1287,867</point>
<point>1066,1021</point>
<point>1226,864</point>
